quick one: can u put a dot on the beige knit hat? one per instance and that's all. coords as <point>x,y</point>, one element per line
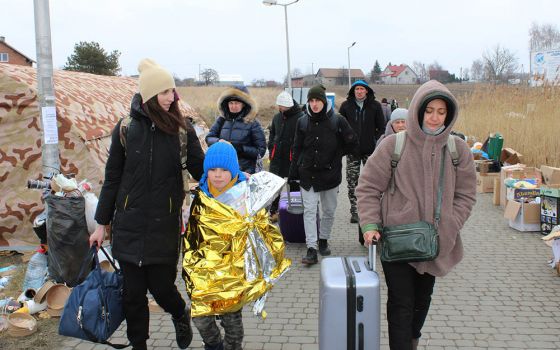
<point>153,79</point>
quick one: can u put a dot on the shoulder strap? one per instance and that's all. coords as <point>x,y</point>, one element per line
<point>335,123</point>
<point>395,157</point>
<point>452,147</point>
<point>399,146</point>
<point>183,147</point>
<point>304,123</point>
<point>125,123</point>
<point>183,140</point>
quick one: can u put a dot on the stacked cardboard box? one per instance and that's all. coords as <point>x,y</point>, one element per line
<point>550,198</point>
<point>520,205</point>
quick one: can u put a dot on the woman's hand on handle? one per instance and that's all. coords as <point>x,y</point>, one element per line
<point>98,235</point>
<point>371,237</point>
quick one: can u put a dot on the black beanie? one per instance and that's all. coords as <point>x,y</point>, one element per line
<point>318,92</point>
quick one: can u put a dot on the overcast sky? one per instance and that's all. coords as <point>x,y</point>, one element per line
<point>247,38</point>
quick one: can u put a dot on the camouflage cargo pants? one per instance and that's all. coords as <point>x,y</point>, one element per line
<point>210,333</point>
<point>352,173</point>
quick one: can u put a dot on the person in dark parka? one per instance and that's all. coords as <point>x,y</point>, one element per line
<point>280,140</point>
<point>322,138</point>
<point>239,126</point>
<point>141,201</point>
<point>366,117</point>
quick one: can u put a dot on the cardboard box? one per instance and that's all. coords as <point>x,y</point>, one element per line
<point>518,171</point>
<point>517,194</point>
<point>550,175</point>
<point>523,216</point>
<point>485,182</point>
<point>509,156</point>
<point>550,203</point>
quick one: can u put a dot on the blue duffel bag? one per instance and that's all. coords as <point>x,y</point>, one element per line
<point>94,309</point>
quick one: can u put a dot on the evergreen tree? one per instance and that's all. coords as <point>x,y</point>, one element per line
<point>90,57</point>
<point>375,72</point>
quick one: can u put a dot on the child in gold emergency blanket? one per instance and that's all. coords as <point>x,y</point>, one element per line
<point>221,172</point>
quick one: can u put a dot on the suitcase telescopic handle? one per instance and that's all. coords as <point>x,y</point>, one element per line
<point>371,256</point>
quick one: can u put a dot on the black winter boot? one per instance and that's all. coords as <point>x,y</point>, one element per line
<point>183,330</point>
<point>324,247</point>
<point>219,346</point>
<point>311,257</point>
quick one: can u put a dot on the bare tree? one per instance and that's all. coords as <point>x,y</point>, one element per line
<point>258,82</point>
<point>466,76</point>
<point>434,66</point>
<point>296,73</point>
<point>477,70</point>
<point>420,69</point>
<point>499,63</point>
<point>342,78</point>
<point>543,37</point>
<point>209,76</point>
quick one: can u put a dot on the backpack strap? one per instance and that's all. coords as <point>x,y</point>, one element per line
<point>333,120</point>
<point>125,123</point>
<point>452,147</point>
<point>304,123</point>
<point>183,155</point>
<point>395,157</point>
<point>399,146</point>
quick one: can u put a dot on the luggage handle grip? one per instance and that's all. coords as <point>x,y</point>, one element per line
<point>372,257</point>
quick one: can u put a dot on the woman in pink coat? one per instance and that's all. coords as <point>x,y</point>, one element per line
<point>431,116</point>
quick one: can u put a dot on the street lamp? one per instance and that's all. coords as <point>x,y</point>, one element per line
<point>349,74</point>
<point>274,2</point>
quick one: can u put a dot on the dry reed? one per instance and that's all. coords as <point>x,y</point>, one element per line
<point>528,118</point>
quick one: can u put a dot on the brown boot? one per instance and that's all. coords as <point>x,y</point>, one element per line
<point>415,343</point>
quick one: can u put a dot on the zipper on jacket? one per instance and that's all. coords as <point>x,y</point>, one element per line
<point>170,205</point>
<point>153,130</point>
<point>125,202</point>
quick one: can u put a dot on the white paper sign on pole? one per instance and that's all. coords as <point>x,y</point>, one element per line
<point>50,129</point>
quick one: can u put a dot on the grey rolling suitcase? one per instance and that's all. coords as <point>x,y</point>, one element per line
<point>349,313</point>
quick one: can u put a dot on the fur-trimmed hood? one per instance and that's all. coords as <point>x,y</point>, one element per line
<point>249,102</point>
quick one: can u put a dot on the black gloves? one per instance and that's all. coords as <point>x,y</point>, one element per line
<point>294,185</point>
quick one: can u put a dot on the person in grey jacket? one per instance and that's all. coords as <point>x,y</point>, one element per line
<point>396,124</point>
<point>432,114</point>
<point>239,126</point>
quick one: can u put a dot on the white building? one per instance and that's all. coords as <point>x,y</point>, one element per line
<point>401,74</point>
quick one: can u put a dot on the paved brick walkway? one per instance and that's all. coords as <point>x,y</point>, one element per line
<point>502,296</point>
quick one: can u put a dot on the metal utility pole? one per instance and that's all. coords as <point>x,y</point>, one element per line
<point>349,71</point>
<point>45,88</point>
<point>274,2</point>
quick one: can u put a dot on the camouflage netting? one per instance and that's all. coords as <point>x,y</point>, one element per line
<point>87,107</point>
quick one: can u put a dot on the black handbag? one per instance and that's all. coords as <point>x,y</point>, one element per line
<point>94,308</point>
<point>417,241</point>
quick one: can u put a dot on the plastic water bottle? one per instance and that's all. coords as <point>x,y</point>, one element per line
<point>36,272</point>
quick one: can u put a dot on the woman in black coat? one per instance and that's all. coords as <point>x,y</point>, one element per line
<point>238,125</point>
<point>141,201</point>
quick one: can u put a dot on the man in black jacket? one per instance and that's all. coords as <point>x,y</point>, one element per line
<point>280,140</point>
<point>322,138</point>
<point>366,117</point>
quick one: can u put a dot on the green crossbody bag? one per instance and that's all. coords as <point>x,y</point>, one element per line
<point>413,242</point>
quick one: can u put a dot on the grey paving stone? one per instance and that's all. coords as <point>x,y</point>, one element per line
<point>501,296</point>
